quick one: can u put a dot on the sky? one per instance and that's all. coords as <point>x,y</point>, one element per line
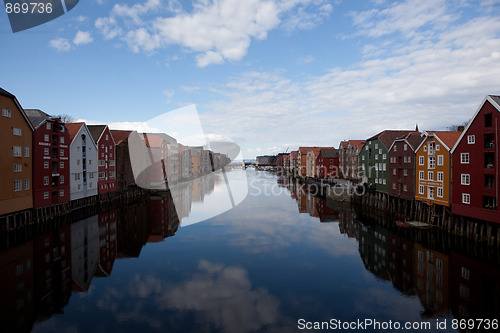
<point>268,75</point>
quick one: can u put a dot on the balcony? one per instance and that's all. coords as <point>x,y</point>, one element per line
<point>489,140</point>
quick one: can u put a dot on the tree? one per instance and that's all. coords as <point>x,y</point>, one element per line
<point>455,127</point>
<point>65,118</point>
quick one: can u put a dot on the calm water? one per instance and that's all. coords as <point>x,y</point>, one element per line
<point>278,257</point>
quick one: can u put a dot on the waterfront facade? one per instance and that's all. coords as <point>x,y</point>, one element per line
<point>476,180</point>
<point>352,159</point>
<point>327,163</point>
<point>16,133</point>
<point>82,162</point>
<point>106,154</point>
<point>343,158</point>
<point>402,165</point>
<point>433,167</point>
<point>374,158</point>
<point>50,159</point>
<point>124,172</point>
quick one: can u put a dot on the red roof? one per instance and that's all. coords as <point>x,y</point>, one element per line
<point>344,144</point>
<point>119,135</point>
<point>73,129</point>
<point>357,143</point>
<point>449,138</point>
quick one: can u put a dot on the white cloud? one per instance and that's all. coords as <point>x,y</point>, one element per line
<point>216,30</point>
<point>60,44</point>
<point>82,37</point>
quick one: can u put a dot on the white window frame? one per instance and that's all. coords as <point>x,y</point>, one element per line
<point>421,189</point>
<point>421,175</point>
<point>440,160</point>
<point>465,179</point>
<point>464,158</point>
<point>440,176</point>
<point>471,139</point>
<point>17,131</point>
<point>439,192</point>
<point>18,185</point>
<point>6,113</point>
<point>466,198</point>
<point>17,151</point>
<point>421,160</point>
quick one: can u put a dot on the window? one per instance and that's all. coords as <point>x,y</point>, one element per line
<point>61,165</point>
<point>101,162</point>
<point>395,148</point>
<point>46,180</point>
<point>437,147</point>
<point>376,146</point>
<point>18,167</point>
<point>380,151</point>
<point>62,152</point>
<point>111,174</point>
<point>394,171</point>
<point>17,131</point>
<point>384,166</point>
<point>17,151</point>
<point>440,192</point>
<point>471,139</point>
<point>61,139</point>
<point>405,147</point>
<point>405,188</point>
<point>425,148</point>
<point>61,179</point>
<point>45,164</point>
<point>420,175</point>
<point>107,137</point>
<point>430,193</point>
<point>466,198</point>
<point>26,151</point>
<point>363,157</point>
<point>489,202</point>
<point>61,193</point>
<point>440,160</point>
<point>421,160</point>
<point>420,189</point>
<point>489,181</point>
<point>376,156</point>
<point>77,162</point>
<point>46,151</point>
<point>384,156</point>
<point>440,176</point>
<point>405,172</point>
<point>102,146</point>
<point>45,195</point>
<point>430,175</point>
<point>489,160</point>
<point>90,162</point>
<point>46,137</point>
<point>49,125</point>
<point>384,181</point>
<point>464,158</point>
<point>18,185</point>
<point>6,113</point>
<point>465,179</point>
<point>488,120</point>
<point>432,162</point>
<point>489,140</point>
<point>101,175</point>
<point>77,176</point>
<point>26,184</point>
<point>393,186</point>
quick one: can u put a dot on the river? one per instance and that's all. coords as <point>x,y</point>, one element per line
<point>242,252</point>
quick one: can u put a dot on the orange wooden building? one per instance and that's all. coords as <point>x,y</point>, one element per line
<point>433,167</point>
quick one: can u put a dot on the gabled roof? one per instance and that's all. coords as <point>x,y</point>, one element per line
<point>357,143</point>
<point>329,152</point>
<point>343,144</point>
<point>494,100</point>
<point>413,139</point>
<point>388,136</point>
<point>37,117</point>
<point>9,95</point>
<point>119,135</point>
<point>447,138</point>
<point>73,129</point>
<point>96,131</point>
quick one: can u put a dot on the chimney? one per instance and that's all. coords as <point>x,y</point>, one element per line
<point>460,128</point>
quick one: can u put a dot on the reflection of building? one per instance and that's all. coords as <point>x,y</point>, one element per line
<point>83,162</point>
<point>84,252</point>
<point>431,280</point>
<point>164,220</point>
<point>347,224</point>
<point>17,288</point>
<point>52,271</point>
<point>400,263</point>
<point>106,157</point>
<point>474,288</point>
<point>16,135</point>
<point>184,162</point>
<point>133,230</point>
<point>50,159</point>
<point>107,242</point>
<point>373,249</point>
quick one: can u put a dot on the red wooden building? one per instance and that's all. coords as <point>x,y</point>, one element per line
<point>476,180</point>
<point>327,163</point>
<point>106,157</point>
<point>402,165</point>
<point>50,159</point>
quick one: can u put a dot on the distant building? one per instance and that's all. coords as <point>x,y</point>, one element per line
<point>476,165</point>
<point>16,134</point>
<point>294,161</point>
<point>343,158</point>
<point>352,163</point>
<point>402,165</point>
<point>124,172</point>
<point>106,155</point>
<point>269,160</point>
<point>83,162</point>
<point>327,163</point>
<point>433,167</point>
<point>50,159</point>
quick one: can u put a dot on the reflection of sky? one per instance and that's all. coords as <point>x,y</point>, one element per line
<point>256,268</point>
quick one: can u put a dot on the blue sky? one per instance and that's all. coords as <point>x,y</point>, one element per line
<point>265,74</point>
